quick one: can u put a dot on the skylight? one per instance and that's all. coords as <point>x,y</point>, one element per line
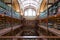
<point>30,7</point>
<point>35,3</point>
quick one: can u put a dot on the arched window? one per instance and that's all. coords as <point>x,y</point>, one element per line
<point>29,12</point>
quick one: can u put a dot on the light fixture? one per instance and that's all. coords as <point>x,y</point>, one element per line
<point>18,10</point>
<point>41,10</point>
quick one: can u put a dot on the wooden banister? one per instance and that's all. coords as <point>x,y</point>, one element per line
<point>29,37</point>
<point>6,30</point>
<point>54,31</point>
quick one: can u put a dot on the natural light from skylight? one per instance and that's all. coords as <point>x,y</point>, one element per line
<point>35,3</point>
<point>29,4</point>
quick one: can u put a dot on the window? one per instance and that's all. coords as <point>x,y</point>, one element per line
<point>30,12</point>
<point>25,14</point>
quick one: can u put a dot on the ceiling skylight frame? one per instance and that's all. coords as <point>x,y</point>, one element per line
<point>35,2</point>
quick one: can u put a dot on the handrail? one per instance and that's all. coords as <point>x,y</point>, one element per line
<point>6,30</point>
<point>29,37</point>
<point>10,10</point>
<point>45,11</point>
<point>54,31</point>
<point>4,6</point>
<point>16,35</point>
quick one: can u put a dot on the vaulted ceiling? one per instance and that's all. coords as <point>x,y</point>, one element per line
<point>22,5</point>
<point>30,4</point>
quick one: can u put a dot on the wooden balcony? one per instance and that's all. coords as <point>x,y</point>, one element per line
<point>6,30</point>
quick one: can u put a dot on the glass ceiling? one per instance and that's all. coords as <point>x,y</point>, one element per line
<point>25,3</point>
